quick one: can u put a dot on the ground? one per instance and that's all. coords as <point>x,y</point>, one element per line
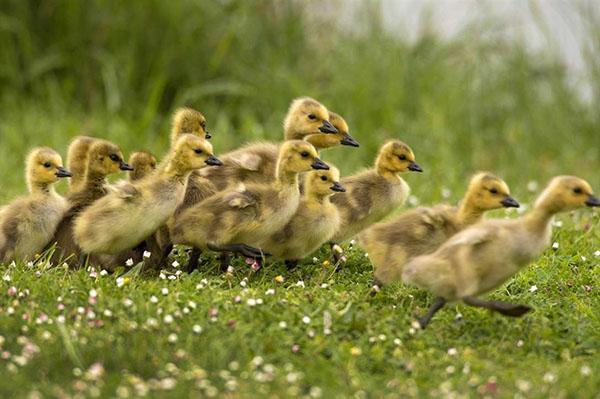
<point>307,332</point>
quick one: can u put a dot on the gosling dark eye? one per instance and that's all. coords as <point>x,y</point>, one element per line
<point>577,190</point>
<point>312,117</point>
<point>47,165</point>
<point>198,151</point>
<point>493,191</point>
<point>304,154</point>
<point>114,157</point>
<point>324,178</point>
<point>203,125</point>
<point>402,157</point>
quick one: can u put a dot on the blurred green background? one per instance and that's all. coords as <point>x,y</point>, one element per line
<point>477,100</point>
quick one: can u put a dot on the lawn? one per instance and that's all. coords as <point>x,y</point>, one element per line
<point>478,101</point>
<point>316,333</point>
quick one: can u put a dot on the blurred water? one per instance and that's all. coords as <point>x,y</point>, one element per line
<point>543,24</point>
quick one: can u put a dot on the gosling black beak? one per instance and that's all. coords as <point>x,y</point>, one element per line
<point>207,135</point>
<point>125,166</point>
<point>349,140</point>
<point>327,127</point>
<point>338,187</point>
<point>62,172</point>
<point>414,167</point>
<point>509,202</point>
<point>213,161</point>
<point>593,201</point>
<point>318,164</point>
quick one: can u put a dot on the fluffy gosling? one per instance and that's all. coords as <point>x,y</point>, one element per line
<point>422,230</point>
<point>27,224</point>
<point>238,219</point>
<point>77,161</point>
<point>142,164</point>
<point>126,217</point>
<point>315,220</point>
<point>103,159</point>
<point>372,194</point>
<point>306,119</point>
<point>485,255</point>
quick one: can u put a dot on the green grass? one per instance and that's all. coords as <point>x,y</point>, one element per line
<point>243,351</point>
<point>477,101</point>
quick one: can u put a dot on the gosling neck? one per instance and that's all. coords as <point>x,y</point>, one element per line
<point>317,197</point>
<point>37,188</point>
<point>468,213</point>
<point>539,218</point>
<point>322,141</point>
<point>177,171</point>
<point>388,174</point>
<point>285,178</point>
<point>292,134</point>
<point>94,179</point>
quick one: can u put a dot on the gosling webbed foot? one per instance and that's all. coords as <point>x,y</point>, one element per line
<point>376,287</point>
<point>504,308</point>
<point>437,304</point>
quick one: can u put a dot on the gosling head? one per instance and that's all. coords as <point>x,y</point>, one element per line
<point>188,121</point>
<point>105,158</point>
<point>143,163</point>
<point>323,183</point>
<point>192,152</point>
<point>326,140</point>
<point>565,193</point>
<point>44,167</point>
<point>395,156</point>
<point>307,116</point>
<point>487,191</point>
<point>297,156</point>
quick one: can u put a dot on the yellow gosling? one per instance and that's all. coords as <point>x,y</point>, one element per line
<point>126,217</point>
<point>372,194</point>
<point>103,159</point>
<point>142,164</point>
<point>315,220</point>
<point>27,224</point>
<point>238,219</point>
<point>422,230</point>
<point>485,255</point>
<point>77,160</point>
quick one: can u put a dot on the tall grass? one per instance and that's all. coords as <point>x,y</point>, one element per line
<point>117,69</point>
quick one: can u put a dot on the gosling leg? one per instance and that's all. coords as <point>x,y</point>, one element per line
<point>438,303</point>
<point>224,259</point>
<point>291,263</point>
<point>336,256</point>
<point>505,308</point>
<point>194,261</point>
<point>241,249</point>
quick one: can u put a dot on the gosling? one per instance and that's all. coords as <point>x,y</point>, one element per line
<point>103,159</point>
<point>374,193</point>
<point>238,219</point>
<point>315,220</point>
<point>306,119</point>
<point>142,164</point>
<point>485,255</point>
<point>422,230</point>
<point>126,217</point>
<point>77,154</point>
<point>28,223</point>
